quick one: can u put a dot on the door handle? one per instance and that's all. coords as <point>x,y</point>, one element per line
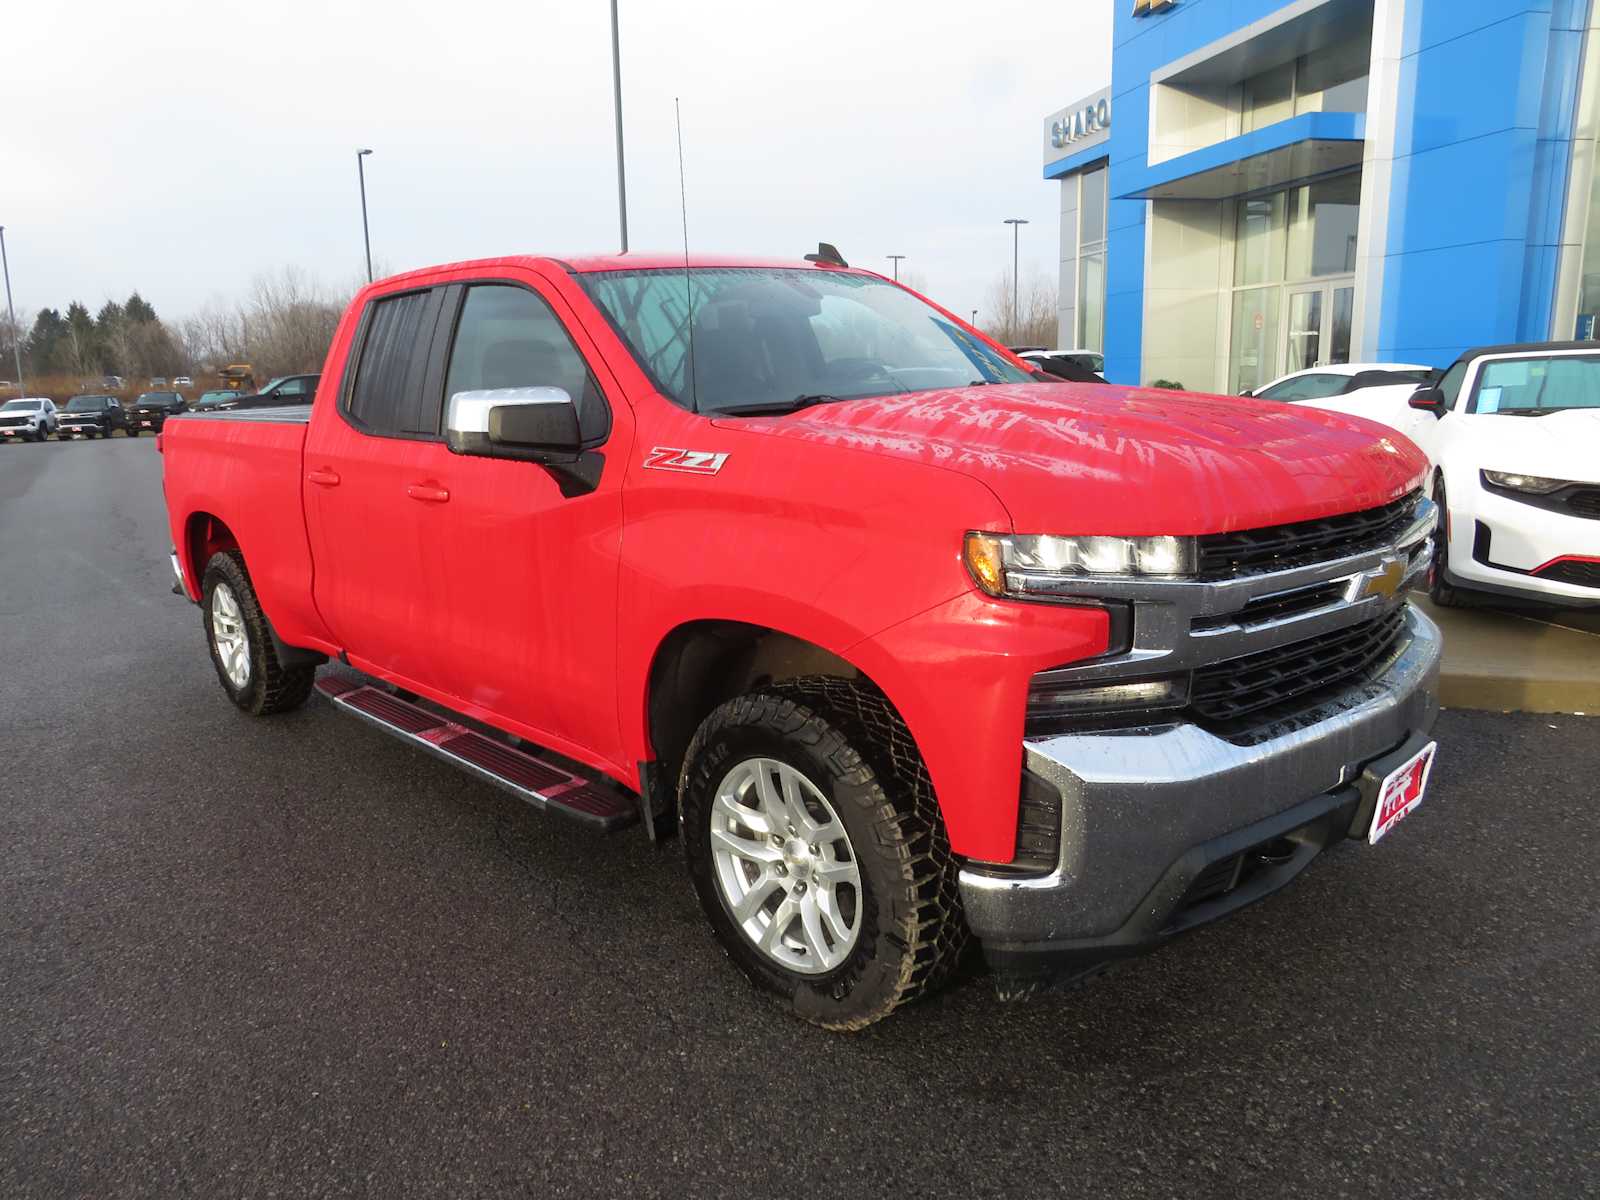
<point>323,476</point>
<point>430,493</point>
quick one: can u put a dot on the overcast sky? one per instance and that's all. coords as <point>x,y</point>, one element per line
<point>183,146</point>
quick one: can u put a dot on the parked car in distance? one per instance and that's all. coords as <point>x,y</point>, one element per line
<point>31,418</point>
<point>1062,366</point>
<point>113,383</point>
<point>906,661</point>
<point>1089,360</point>
<point>1513,433</point>
<point>160,381</point>
<point>288,389</point>
<point>91,416</point>
<point>213,400</point>
<point>182,381</point>
<point>1341,379</point>
<point>151,410</point>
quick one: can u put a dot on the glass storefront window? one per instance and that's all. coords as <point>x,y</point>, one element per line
<point>1092,206</point>
<point>1253,355</point>
<point>1091,260</point>
<point>1258,240</point>
<point>1332,79</point>
<point>1268,97</point>
<point>1092,302</point>
<point>1322,228</point>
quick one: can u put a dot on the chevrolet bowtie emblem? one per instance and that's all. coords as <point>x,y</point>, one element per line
<point>1384,582</point>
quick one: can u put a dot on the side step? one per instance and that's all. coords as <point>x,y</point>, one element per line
<point>542,784</point>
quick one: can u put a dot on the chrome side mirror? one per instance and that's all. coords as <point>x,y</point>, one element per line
<point>536,424</point>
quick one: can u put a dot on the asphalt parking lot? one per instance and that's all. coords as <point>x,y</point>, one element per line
<point>290,957</point>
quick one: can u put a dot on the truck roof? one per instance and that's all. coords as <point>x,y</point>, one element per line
<point>583,263</point>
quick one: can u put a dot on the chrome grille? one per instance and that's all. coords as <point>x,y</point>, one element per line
<point>1290,677</point>
<point>1275,547</point>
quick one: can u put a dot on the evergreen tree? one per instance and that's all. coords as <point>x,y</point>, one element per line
<point>44,343</point>
<point>138,310</point>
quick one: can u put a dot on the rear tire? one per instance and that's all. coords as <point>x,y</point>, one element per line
<point>249,671</point>
<point>838,746</point>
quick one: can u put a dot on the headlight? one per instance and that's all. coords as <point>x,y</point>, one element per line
<point>1537,485</point>
<point>1027,565</point>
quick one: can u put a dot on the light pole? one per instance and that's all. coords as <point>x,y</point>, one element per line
<point>616,95</point>
<point>974,318</point>
<point>16,334</point>
<point>895,258</point>
<point>361,173</point>
<point>1016,224</point>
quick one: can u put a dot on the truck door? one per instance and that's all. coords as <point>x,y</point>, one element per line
<point>374,544</point>
<point>526,575</point>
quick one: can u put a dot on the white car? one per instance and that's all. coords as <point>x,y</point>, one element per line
<point>1513,433</point>
<point>32,418</point>
<point>1346,387</point>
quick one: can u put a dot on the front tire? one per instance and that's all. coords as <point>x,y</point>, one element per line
<point>1444,594</point>
<point>815,845</point>
<point>241,644</point>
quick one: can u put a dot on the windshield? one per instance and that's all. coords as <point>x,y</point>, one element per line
<point>771,339</point>
<point>217,396</point>
<point>1537,385</point>
<point>21,406</point>
<point>159,399</point>
<point>86,404</point>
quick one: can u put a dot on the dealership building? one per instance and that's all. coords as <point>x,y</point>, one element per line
<point>1266,186</point>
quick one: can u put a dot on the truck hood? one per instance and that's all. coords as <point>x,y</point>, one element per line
<point>1093,458</point>
<point>1563,445</point>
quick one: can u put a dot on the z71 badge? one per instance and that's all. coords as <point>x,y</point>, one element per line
<point>696,462</point>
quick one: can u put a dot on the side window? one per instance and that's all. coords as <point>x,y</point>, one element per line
<point>509,337</point>
<point>1305,387</point>
<point>387,396</point>
<point>1450,385</point>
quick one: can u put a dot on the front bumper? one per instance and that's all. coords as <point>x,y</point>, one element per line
<point>1498,542</point>
<point>1149,818</point>
<point>23,431</point>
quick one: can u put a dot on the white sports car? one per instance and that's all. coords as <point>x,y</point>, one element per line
<point>1513,433</point>
<point>1345,387</point>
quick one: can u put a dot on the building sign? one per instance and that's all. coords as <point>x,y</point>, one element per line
<point>1143,8</point>
<point>1078,126</point>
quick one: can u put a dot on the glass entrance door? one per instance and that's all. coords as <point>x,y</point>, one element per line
<point>1318,329</point>
<point>1305,330</point>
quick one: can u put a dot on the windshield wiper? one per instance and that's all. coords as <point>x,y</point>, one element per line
<point>1528,412</point>
<point>805,400</point>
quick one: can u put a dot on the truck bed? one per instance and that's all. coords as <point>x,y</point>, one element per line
<point>245,467</point>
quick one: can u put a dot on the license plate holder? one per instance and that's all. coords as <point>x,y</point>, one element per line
<point>1401,791</point>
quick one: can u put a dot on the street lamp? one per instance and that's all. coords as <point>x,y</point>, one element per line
<point>616,95</point>
<point>16,334</point>
<point>974,318</point>
<point>1016,223</point>
<point>895,258</point>
<point>361,173</point>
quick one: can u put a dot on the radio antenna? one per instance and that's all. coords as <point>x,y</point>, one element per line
<point>688,294</point>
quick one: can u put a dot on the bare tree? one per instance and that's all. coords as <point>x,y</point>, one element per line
<point>1032,321</point>
<point>288,322</point>
<point>11,336</point>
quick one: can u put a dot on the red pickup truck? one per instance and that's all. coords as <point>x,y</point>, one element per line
<point>910,644</point>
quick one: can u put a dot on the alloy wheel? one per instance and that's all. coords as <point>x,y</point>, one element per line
<point>785,867</point>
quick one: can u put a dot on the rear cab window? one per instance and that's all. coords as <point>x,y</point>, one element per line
<point>416,349</point>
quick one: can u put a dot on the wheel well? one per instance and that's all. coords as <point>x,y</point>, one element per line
<point>206,535</point>
<point>704,663</point>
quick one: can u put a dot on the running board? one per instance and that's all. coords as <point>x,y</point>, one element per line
<point>542,784</point>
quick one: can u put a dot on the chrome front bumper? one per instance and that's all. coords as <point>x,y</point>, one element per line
<point>1140,809</point>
